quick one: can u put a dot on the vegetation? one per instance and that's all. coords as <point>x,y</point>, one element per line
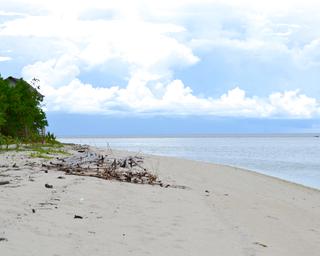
<point>39,155</point>
<point>41,151</point>
<point>44,150</point>
<point>21,118</point>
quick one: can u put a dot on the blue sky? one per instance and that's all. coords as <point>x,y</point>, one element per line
<point>215,63</point>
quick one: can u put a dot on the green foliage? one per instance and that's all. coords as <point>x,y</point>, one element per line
<point>3,140</point>
<point>56,145</point>
<point>21,116</point>
<point>51,138</point>
<point>39,155</point>
<point>38,150</point>
<point>46,150</point>
<point>7,141</point>
<point>3,101</point>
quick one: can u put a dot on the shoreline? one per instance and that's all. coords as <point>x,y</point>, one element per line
<point>210,209</point>
<point>287,158</point>
<point>216,164</point>
<point>200,135</point>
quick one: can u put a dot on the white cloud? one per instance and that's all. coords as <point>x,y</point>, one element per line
<point>53,72</point>
<point>138,44</point>
<point>3,58</point>
<point>153,38</point>
<point>77,97</point>
<point>309,55</point>
<point>294,104</point>
<point>147,93</point>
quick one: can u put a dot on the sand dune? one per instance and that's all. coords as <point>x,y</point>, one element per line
<point>222,211</point>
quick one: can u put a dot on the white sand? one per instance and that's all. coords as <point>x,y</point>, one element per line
<point>243,213</point>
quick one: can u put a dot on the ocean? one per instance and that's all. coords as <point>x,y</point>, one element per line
<point>294,158</point>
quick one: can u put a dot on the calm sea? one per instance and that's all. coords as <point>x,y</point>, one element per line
<point>294,158</point>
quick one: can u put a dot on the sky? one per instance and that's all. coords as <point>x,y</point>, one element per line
<point>161,67</point>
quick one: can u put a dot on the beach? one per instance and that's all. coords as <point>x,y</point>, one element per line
<point>207,209</point>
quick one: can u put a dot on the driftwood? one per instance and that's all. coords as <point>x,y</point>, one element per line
<point>86,163</point>
<point>124,169</point>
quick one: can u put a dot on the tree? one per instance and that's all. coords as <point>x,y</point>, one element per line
<point>21,115</point>
<point>3,100</point>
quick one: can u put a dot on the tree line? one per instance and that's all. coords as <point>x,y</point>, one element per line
<point>21,115</point>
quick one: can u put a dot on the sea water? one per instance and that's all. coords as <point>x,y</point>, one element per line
<point>293,158</point>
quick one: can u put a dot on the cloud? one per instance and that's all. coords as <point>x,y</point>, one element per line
<point>294,104</point>
<point>154,39</point>
<point>53,72</point>
<point>77,97</point>
<point>138,44</point>
<point>309,56</point>
<point>147,93</point>
<point>3,58</point>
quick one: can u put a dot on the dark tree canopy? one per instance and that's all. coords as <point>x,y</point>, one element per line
<point>21,115</point>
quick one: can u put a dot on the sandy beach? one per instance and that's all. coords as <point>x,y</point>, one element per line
<point>209,210</point>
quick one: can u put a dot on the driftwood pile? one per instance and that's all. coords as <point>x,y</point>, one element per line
<point>87,163</point>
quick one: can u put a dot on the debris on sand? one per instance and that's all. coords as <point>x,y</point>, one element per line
<point>87,163</point>
<point>48,185</point>
<point>260,244</point>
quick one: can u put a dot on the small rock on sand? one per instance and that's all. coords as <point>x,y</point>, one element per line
<point>4,182</point>
<point>48,186</point>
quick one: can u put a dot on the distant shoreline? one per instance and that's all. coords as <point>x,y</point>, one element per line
<point>213,135</point>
